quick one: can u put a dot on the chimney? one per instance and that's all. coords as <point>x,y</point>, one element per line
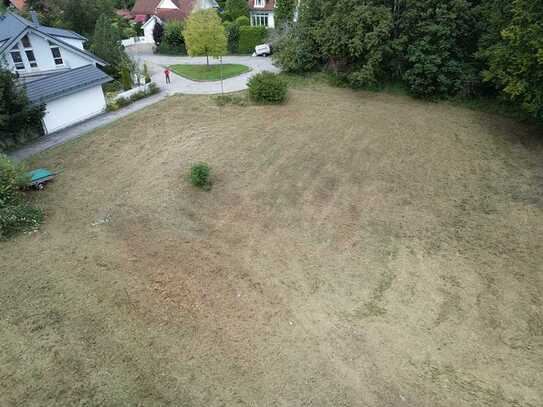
<point>35,20</point>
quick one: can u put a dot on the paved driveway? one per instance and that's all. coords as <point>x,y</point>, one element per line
<point>156,64</point>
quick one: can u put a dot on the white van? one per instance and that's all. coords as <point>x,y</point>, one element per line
<point>262,50</point>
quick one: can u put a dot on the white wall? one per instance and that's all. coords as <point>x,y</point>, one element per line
<point>148,28</point>
<point>73,42</point>
<point>44,57</point>
<point>71,109</point>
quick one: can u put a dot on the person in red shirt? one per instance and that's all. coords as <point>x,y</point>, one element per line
<point>167,74</point>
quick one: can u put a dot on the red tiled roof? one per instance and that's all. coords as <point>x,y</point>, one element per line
<point>149,8</point>
<point>145,7</point>
<point>140,18</point>
<point>19,4</point>
<point>269,5</point>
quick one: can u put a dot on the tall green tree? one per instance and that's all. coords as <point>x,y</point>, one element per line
<point>437,43</point>
<point>236,8</point>
<point>516,60</point>
<point>205,35</point>
<point>19,120</point>
<point>355,37</point>
<point>297,50</point>
<point>284,11</point>
<point>81,15</point>
<point>106,44</point>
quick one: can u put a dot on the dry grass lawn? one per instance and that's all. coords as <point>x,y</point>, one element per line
<point>357,249</point>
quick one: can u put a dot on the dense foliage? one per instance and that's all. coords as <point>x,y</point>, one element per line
<point>284,11</point>
<point>450,48</point>
<point>19,120</point>
<point>173,41</point>
<point>354,38</point>
<point>516,61</point>
<point>204,35</point>
<point>249,38</point>
<point>236,8</point>
<point>106,45</point>
<point>267,87</point>
<point>437,45</point>
<point>200,176</point>
<point>16,215</point>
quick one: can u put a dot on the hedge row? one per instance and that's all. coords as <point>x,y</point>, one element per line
<point>249,38</point>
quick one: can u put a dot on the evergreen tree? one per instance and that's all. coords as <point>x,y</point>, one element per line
<point>19,120</point>
<point>106,45</point>
<point>158,33</point>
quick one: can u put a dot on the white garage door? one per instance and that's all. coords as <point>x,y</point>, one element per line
<point>72,109</point>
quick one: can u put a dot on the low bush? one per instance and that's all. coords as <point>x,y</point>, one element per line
<point>249,38</point>
<point>126,78</point>
<point>112,87</point>
<point>200,176</point>
<point>16,215</point>
<point>267,87</point>
<point>167,49</point>
<point>18,218</point>
<point>152,89</point>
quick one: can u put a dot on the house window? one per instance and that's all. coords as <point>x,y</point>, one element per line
<point>26,42</point>
<point>17,60</point>
<point>259,3</point>
<point>57,56</point>
<point>260,19</point>
<point>27,46</point>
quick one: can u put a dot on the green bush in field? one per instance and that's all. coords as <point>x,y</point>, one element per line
<point>16,215</point>
<point>249,38</point>
<point>200,176</point>
<point>17,218</point>
<point>267,87</point>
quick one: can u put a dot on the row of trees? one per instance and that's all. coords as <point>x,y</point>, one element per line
<point>437,49</point>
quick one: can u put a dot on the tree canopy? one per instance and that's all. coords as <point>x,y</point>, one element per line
<point>516,60</point>
<point>106,43</point>
<point>284,11</point>
<point>236,8</point>
<point>205,35</point>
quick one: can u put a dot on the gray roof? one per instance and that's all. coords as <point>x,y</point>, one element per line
<point>12,24</point>
<point>13,27</point>
<point>65,83</point>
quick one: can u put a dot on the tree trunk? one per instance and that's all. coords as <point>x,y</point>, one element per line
<point>207,56</point>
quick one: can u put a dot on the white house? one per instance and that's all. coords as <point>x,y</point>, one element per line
<point>54,68</point>
<point>150,12</point>
<point>262,13</point>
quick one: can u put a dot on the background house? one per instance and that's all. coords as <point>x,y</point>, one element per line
<point>262,13</point>
<point>149,12</point>
<point>54,68</point>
